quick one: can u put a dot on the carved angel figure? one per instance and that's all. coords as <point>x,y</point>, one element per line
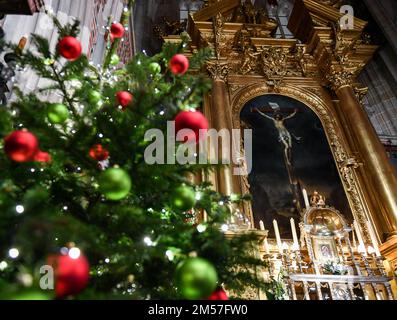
<point>248,60</point>
<point>317,200</point>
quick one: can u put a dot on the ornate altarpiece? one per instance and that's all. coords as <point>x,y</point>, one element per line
<point>319,69</point>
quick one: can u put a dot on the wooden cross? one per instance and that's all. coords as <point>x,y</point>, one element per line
<point>271,110</point>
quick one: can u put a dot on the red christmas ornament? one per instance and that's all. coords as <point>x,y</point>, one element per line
<point>117,30</point>
<point>99,153</point>
<point>219,294</point>
<point>21,146</point>
<point>71,273</point>
<point>42,156</point>
<point>124,98</point>
<point>179,64</point>
<point>193,120</point>
<point>70,48</point>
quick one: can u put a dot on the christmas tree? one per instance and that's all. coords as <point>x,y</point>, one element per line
<point>79,203</point>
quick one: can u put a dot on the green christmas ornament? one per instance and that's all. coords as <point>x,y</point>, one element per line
<point>154,68</point>
<point>114,184</point>
<point>31,295</point>
<point>57,113</point>
<point>114,60</point>
<point>183,198</point>
<point>94,96</point>
<point>196,278</point>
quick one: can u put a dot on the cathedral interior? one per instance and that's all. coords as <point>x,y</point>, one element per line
<point>316,82</point>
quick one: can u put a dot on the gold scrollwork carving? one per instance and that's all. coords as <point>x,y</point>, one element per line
<point>218,70</point>
<point>349,180</point>
<point>360,92</point>
<point>315,90</point>
<point>304,62</point>
<point>249,60</point>
<point>233,88</point>
<point>340,78</point>
<point>273,61</point>
<point>218,23</point>
<point>343,46</point>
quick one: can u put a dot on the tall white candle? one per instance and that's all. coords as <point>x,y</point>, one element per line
<point>278,238</point>
<point>354,238</point>
<point>370,250</point>
<point>294,234</point>
<point>261,225</point>
<point>359,236</point>
<point>266,246</point>
<point>374,240</point>
<point>306,198</point>
<point>361,249</point>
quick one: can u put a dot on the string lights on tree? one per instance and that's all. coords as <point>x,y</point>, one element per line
<point>78,196</point>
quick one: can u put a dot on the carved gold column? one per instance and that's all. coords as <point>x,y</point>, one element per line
<point>221,118</point>
<point>377,166</point>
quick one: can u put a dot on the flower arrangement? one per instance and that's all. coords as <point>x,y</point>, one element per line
<point>276,288</point>
<point>335,268</point>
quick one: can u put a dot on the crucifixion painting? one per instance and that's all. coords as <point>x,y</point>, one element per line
<point>284,136</point>
<point>290,151</point>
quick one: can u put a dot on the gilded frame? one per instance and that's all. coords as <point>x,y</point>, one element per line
<point>326,242</point>
<point>243,89</point>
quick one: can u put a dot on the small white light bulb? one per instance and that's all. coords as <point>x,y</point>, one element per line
<point>201,228</point>
<point>3,265</point>
<point>74,253</point>
<point>19,209</point>
<point>13,253</point>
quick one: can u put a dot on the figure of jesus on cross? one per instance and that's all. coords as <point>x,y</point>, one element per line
<point>284,136</point>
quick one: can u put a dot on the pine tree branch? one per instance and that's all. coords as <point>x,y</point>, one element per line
<point>114,46</point>
<point>64,91</point>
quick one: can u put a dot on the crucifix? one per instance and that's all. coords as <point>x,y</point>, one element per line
<point>278,118</point>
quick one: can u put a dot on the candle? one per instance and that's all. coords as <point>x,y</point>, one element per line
<point>306,198</point>
<point>294,235</point>
<point>361,249</point>
<point>277,233</point>
<point>265,243</point>
<point>354,238</point>
<point>266,246</point>
<point>374,240</point>
<point>370,250</point>
<point>359,237</point>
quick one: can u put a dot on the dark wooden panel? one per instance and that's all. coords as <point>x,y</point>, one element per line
<point>20,6</point>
